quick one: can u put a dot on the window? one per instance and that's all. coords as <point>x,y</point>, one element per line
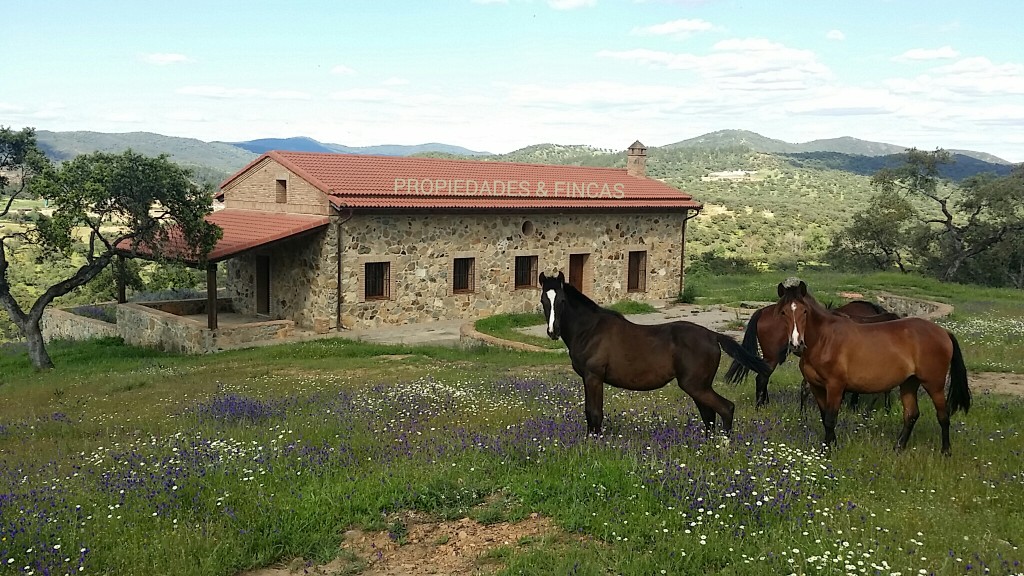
<point>636,276</point>
<point>526,271</point>
<point>463,275</point>
<point>377,282</point>
<point>282,191</point>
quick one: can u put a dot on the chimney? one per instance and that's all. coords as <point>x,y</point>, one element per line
<point>636,160</point>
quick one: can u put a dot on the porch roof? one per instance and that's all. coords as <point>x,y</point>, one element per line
<point>243,231</point>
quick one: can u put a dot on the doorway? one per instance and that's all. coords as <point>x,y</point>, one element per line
<point>577,271</point>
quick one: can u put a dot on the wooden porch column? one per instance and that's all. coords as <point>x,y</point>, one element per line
<point>211,295</point>
<point>121,295</point>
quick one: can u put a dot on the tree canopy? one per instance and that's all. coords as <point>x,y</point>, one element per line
<point>97,202</point>
<point>946,229</point>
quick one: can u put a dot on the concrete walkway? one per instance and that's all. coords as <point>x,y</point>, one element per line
<point>457,332</point>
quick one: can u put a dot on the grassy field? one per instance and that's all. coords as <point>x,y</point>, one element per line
<point>128,461</point>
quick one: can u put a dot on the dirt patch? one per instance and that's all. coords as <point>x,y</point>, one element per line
<point>425,546</point>
<point>997,383</point>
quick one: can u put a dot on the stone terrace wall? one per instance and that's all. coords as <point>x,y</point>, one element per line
<point>145,325</point>
<point>58,324</point>
<point>913,307</point>
<point>141,325</point>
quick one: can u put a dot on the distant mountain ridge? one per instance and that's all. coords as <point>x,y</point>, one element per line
<point>306,144</point>
<point>216,160</point>
<point>841,145</point>
<point>189,152</point>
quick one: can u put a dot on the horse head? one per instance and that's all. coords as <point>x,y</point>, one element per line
<point>552,300</point>
<point>795,309</point>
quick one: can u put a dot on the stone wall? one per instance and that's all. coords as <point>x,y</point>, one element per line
<point>145,325</point>
<point>913,307</point>
<point>57,324</point>
<point>420,250</point>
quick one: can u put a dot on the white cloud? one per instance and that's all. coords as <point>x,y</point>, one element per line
<point>944,53</point>
<point>164,58</point>
<point>966,78</point>
<point>677,28</point>
<point>835,35</point>
<point>343,70</point>
<point>222,92</point>
<point>847,101</point>
<point>395,81</point>
<point>738,64</point>
<point>571,4</point>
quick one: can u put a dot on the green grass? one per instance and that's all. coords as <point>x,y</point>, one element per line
<point>506,326</point>
<point>162,464</point>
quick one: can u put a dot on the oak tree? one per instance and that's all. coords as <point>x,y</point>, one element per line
<point>99,201</point>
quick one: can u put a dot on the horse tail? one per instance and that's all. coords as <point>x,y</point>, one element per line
<point>743,360</point>
<point>737,371</point>
<point>959,394</point>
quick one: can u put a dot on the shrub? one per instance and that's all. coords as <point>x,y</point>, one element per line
<point>102,312</point>
<point>689,294</point>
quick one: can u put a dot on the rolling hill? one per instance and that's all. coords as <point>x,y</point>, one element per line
<point>841,145</point>
<point>215,160</point>
<point>189,152</point>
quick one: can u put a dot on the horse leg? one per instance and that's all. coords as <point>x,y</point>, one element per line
<point>908,395</point>
<point>761,393</point>
<point>939,399</point>
<point>707,400</point>
<point>833,399</point>
<point>707,414</point>
<point>820,399</point>
<point>805,391</point>
<point>593,393</point>
<point>853,401</point>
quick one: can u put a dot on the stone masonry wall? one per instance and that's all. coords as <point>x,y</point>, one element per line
<point>142,325</point>
<point>57,324</point>
<point>421,249</point>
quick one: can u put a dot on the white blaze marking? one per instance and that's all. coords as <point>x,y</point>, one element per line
<point>796,333</point>
<point>551,315</point>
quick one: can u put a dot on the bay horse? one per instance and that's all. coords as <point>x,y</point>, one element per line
<point>767,329</point>
<point>605,347</point>
<point>838,354</point>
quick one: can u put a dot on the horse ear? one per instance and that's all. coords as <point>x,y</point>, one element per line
<point>803,288</point>
<point>561,278</point>
<point>782,289</point>
<point>542,278</point>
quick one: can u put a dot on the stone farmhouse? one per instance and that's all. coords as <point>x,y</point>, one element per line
<point>324,242</point>
<point>357,241</point>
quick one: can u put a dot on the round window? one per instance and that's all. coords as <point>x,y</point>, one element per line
<point>528,228</point>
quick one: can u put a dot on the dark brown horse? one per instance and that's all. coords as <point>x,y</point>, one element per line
<point>605,347</point>
<point>838,354</point>
<point>767,329</point>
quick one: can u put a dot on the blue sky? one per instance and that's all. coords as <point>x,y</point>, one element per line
<point>495,75</point>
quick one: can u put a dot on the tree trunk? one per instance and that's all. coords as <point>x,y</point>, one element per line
<point>36,347</point>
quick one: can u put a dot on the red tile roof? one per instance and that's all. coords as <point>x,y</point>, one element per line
<point>395,182</point>
<point>243,230</point>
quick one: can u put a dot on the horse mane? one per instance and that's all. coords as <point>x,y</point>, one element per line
<point>574,294</point>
